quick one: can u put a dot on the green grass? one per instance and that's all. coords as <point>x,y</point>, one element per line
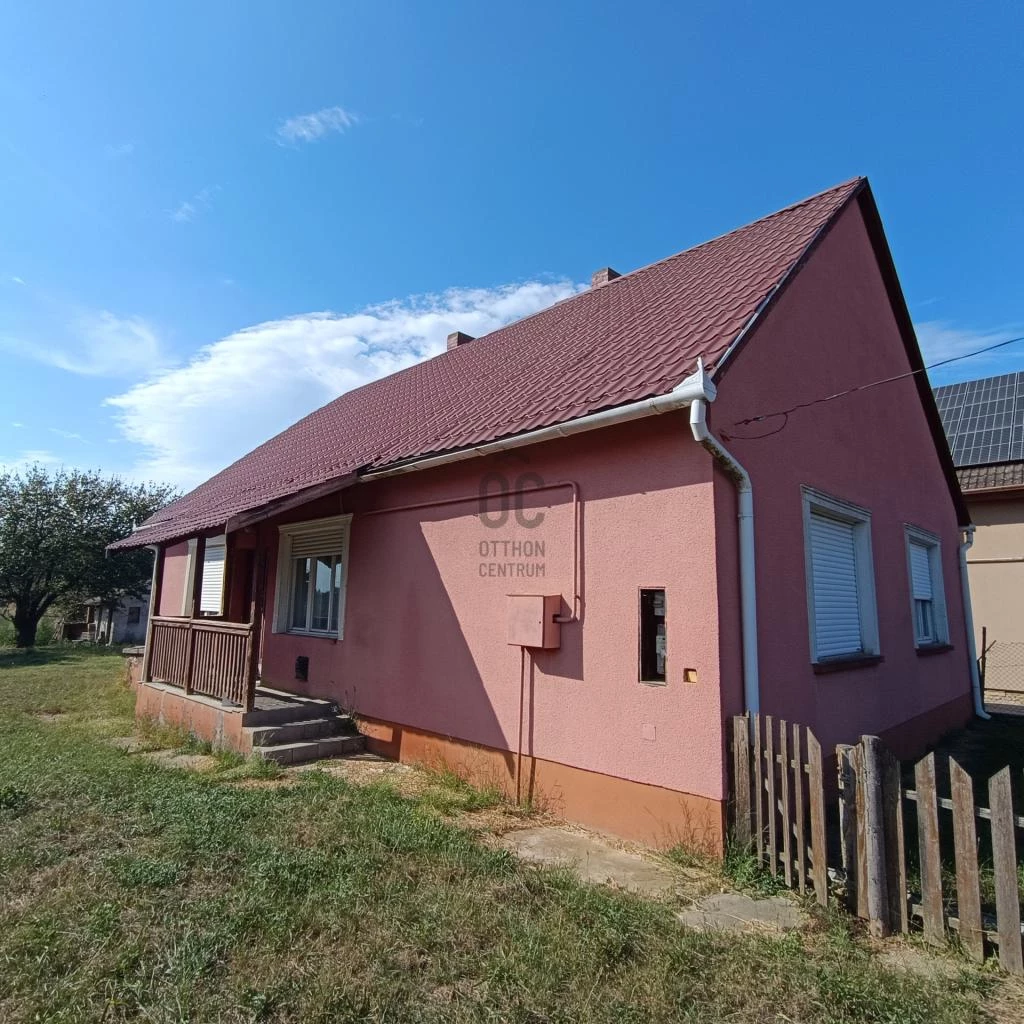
<point>134,892</point>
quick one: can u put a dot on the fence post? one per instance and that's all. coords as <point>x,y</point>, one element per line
<point>895,837</point>
<point>847,757</point>
<point>871,840</point>
<point>928,845</point>
<point>1004,860</point>
<point>801,810</point>
<point>741,780</point>
<point>758,791</point>
<point>773,809</point>
<point>816,794</point>
<point>965,850</point>
<point>984,661</point>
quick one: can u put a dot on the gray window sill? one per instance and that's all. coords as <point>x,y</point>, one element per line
<point>846,663</point>
<point>926,650</point>
<point>312,633</point>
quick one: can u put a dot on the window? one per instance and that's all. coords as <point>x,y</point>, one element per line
<point>842,614</point>
<point>653,636</point>
<point>927,593</point>
<point>311,569</point>
<point>211,597</point>
<point>211,600</point>
<point>134,615</point>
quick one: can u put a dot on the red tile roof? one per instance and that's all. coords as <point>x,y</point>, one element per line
<point>635,337</point>
<point>1001,476</point>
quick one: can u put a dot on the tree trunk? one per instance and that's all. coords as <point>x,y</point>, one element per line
<point>26,622</point>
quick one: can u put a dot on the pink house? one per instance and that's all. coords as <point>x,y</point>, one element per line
<point>560,556</point>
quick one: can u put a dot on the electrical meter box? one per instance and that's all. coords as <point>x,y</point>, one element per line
<point>531,620</point>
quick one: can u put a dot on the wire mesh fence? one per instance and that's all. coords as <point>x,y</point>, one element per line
<point>1002,668</point>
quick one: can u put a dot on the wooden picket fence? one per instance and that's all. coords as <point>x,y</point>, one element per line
<point>894,849</point>
<point>779,800</point>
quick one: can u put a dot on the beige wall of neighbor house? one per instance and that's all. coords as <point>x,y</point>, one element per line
<point>997,591</point>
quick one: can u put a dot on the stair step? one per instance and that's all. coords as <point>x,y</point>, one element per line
<point>311,750</point>
<point>289,708</point>
<point>291,732</point>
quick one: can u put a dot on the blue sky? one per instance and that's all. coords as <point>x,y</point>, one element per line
<point>217,216</point>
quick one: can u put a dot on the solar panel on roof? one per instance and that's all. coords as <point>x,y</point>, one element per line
<point>984,419</point>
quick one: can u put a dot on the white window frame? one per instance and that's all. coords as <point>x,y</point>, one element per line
<point>190,561</point>
<point>285,579</point>
<point>940,620</point>
<point>817,502</point>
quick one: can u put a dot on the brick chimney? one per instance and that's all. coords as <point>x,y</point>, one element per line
<point>457,338</point>
<point>603,276</point>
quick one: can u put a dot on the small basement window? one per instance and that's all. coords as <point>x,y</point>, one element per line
<point>653,635</point>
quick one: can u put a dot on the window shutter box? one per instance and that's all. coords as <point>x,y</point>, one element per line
<point>313,542</point>
<point>213,579</point>
<point>837,625</point>
<point>920,572</point>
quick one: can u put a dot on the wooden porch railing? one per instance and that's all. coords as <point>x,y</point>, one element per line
<point>211,657</point>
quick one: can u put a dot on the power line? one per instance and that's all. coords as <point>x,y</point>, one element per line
<point>785,413</point>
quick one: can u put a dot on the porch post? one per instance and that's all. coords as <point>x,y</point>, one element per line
<point>194,611</point>
<point>230,555</point>
<point>256,615</point>
<point>156,587</point>
<point>197,578</point>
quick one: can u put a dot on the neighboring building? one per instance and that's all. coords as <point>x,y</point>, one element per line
<point>536,556</point>
<point>984,421</point>
<point>95,622</point>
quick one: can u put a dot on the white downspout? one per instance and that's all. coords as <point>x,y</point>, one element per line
<point>972,649</point>
<point>748,592</point>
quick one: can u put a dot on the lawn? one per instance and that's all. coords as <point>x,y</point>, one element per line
<point>134,891</point>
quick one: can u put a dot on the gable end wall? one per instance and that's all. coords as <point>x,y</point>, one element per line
<point>833,328</point>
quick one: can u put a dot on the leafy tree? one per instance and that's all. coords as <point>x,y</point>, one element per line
<point>54,530</point>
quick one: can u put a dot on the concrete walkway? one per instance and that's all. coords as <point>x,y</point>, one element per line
<point>594,859</point>
<point>737,912</point>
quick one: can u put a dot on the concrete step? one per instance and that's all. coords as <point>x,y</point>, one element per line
<point>289,709</point>
<point>304,751</point>
<point>292,732</point>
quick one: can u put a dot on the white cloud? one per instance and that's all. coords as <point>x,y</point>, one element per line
<point>17,425</point>
<point>28,458</point>
<point>69,435</point>
<point>940,340</point>
<point>115,150</point>
<point>310,127</point>
<point>101,345</point>
<point>193,420</point>
<point>17,280</point>
<point>188,209</point>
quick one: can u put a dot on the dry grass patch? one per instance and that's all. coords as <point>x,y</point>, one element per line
<point>132,893</point>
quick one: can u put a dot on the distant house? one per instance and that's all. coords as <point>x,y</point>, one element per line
<point>561,556</point>
<point>95,622</point>
<point>984,421</point>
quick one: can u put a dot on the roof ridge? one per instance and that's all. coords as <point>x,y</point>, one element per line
<point>859,180</point>
<point>581,356</point>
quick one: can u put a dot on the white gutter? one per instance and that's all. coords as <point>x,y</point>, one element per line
<point>696,387</point>
<point>748,591</point>
<point>695,391</point>
<point>972,649</point>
